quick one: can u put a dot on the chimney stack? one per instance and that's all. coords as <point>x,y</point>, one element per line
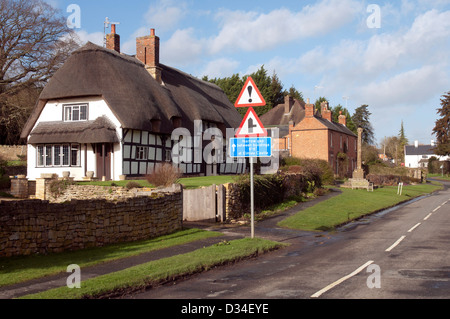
<point>309,109</point>
<point>147,51</point>
<point>326,113</point>
<point>288,103</point>
<point>113,39</point>
<point>342,119</point>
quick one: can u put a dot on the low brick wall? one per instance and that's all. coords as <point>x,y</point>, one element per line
<point>40,227</point>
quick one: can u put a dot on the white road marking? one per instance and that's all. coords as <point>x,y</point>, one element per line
<point>412,228</point>
<point>436,208</point>
<point>426,217</point>
<point>396,243</point>
<point>337,282</point>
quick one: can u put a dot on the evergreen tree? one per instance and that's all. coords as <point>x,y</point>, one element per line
<point>294,93</point>
<point>402,141</point>
<point>361,119</point>
<point>442,127</point>
<point>349,122</point>
<point>270,88</point>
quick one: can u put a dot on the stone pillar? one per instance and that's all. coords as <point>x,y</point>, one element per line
<point>358,173</point>
<point>42,185</point>
<point>19,186</point>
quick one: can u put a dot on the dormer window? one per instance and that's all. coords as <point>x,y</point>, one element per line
<point>75,112</point>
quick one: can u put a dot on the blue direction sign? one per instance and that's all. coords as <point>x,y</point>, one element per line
<point>251,147</point>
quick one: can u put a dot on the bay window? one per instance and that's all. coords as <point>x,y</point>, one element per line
<point>58,155</point>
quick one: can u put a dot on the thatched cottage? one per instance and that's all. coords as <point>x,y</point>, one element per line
<point>113,114</point>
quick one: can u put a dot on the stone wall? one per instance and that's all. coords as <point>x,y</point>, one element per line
<point>10,152</point>
<point>40,227</point>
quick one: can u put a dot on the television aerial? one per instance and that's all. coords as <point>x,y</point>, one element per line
<point>106,24</point>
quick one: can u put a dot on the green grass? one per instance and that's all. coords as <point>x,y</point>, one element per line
<point>187,182</point>
<point>439,176</point>
<point>18,269</point>
<point>157,271</point>
<point>195,182</point>
<point>352,204</point>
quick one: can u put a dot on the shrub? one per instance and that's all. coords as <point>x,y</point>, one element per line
<point>131,185</point>
<point>58,187</point>
<point>164,175</point>
<point>314,169</point>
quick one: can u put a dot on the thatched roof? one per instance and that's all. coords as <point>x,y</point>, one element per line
<point>99,131</point>
<point>133,95</point>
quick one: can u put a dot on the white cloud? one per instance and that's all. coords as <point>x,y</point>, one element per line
<point>250,31</point>
<point>220,68</point>
<point>410,88</point>
<point>182,48</point>
<point>166,14</point>
<point>95,37</point>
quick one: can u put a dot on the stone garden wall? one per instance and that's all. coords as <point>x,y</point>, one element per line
<point>40,227</point>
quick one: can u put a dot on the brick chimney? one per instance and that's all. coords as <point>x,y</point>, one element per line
<point>309,109</point>
<point>326,113</point>
<point>113,39</point>
<point>288,103</point>
<point>342,119</point>
<point>147,51</point>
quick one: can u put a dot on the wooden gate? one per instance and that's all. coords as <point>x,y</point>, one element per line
<point>204,204</point>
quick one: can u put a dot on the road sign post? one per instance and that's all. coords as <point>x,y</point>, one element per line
<point>251,138</point>
<point>252,200</point>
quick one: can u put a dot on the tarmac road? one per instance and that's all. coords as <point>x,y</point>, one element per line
<point>402,253</point>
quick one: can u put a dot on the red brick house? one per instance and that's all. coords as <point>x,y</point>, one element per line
<point>305,133</point>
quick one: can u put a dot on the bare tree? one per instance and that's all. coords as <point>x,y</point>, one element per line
<point>34,42</point>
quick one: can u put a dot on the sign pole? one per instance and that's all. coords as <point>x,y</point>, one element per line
<point>252,210</point>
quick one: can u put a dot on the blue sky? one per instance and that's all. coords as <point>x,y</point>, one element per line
<point>397,62</point>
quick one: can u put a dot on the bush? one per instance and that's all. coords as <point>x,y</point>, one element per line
<point>131,185</point>
<point>316,170</point>
<point>164,175</point>
<point>268,190</point>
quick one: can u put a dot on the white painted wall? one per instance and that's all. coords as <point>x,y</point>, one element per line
<point>53,112</point>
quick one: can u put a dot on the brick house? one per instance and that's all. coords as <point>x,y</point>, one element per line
<point>305,133</point>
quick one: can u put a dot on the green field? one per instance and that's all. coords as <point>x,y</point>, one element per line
<point>350,205</point>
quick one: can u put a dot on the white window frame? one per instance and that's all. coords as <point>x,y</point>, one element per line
<point>47,153</point>
<point>69,110</point>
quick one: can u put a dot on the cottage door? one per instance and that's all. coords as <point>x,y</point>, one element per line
<point>103,155</point>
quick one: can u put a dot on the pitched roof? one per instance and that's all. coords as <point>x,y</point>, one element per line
<point>133,95</point>
<point>335,126</point>
<point>419,150</point>
<point>99,131</point>
<point>277,116</point>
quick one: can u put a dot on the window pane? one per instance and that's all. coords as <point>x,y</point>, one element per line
<point>67,113</point>
<point>83,112</point>
<point>75,113</point>
<point>65,156</point>
<point>40,156</point>
<point>48,155</point>
<point>57,155</point>
<point>75,155</point>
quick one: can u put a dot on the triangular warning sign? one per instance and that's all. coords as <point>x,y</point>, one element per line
<point>251,126</point>
<point>250,95</point>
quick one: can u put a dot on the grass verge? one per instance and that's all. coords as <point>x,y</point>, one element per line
<point>162,270</point>
<point>19,269</point>
<point>352,204</point>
